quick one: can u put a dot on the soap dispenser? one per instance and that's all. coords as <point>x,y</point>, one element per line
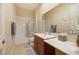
<point>78,40</point>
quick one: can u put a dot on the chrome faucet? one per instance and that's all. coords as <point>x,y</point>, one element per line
<point>53,28</point>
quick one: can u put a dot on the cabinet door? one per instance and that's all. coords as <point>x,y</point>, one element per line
<point>49,50</point>
<point>40,46</point>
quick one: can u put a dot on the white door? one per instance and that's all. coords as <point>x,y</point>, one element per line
<point>20,36</point>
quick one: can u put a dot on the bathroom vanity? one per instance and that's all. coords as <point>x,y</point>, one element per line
<point>41,47</point>
<point>44,45</point>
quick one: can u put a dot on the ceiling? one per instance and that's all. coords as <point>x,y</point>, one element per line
<point>28,6</point>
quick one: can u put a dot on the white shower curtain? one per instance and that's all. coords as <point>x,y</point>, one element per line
<point>25,27</point>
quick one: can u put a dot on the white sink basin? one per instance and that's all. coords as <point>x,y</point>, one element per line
<point>46,35</point>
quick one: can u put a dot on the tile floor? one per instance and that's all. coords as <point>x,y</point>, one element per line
<point>23,49</point>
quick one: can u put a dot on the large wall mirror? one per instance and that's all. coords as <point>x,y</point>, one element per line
<point>65,16</point>
<point>75,18</point>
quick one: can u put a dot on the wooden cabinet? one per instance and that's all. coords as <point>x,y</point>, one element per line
<point>42,48</point>
<point>39,45</point>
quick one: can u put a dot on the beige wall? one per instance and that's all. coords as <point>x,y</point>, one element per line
<point>45,7</point>
<point>0,19</point>
<point>8,14</point>
<point>38,19</point>
<point>23,12</point>
<point>61,15</point>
